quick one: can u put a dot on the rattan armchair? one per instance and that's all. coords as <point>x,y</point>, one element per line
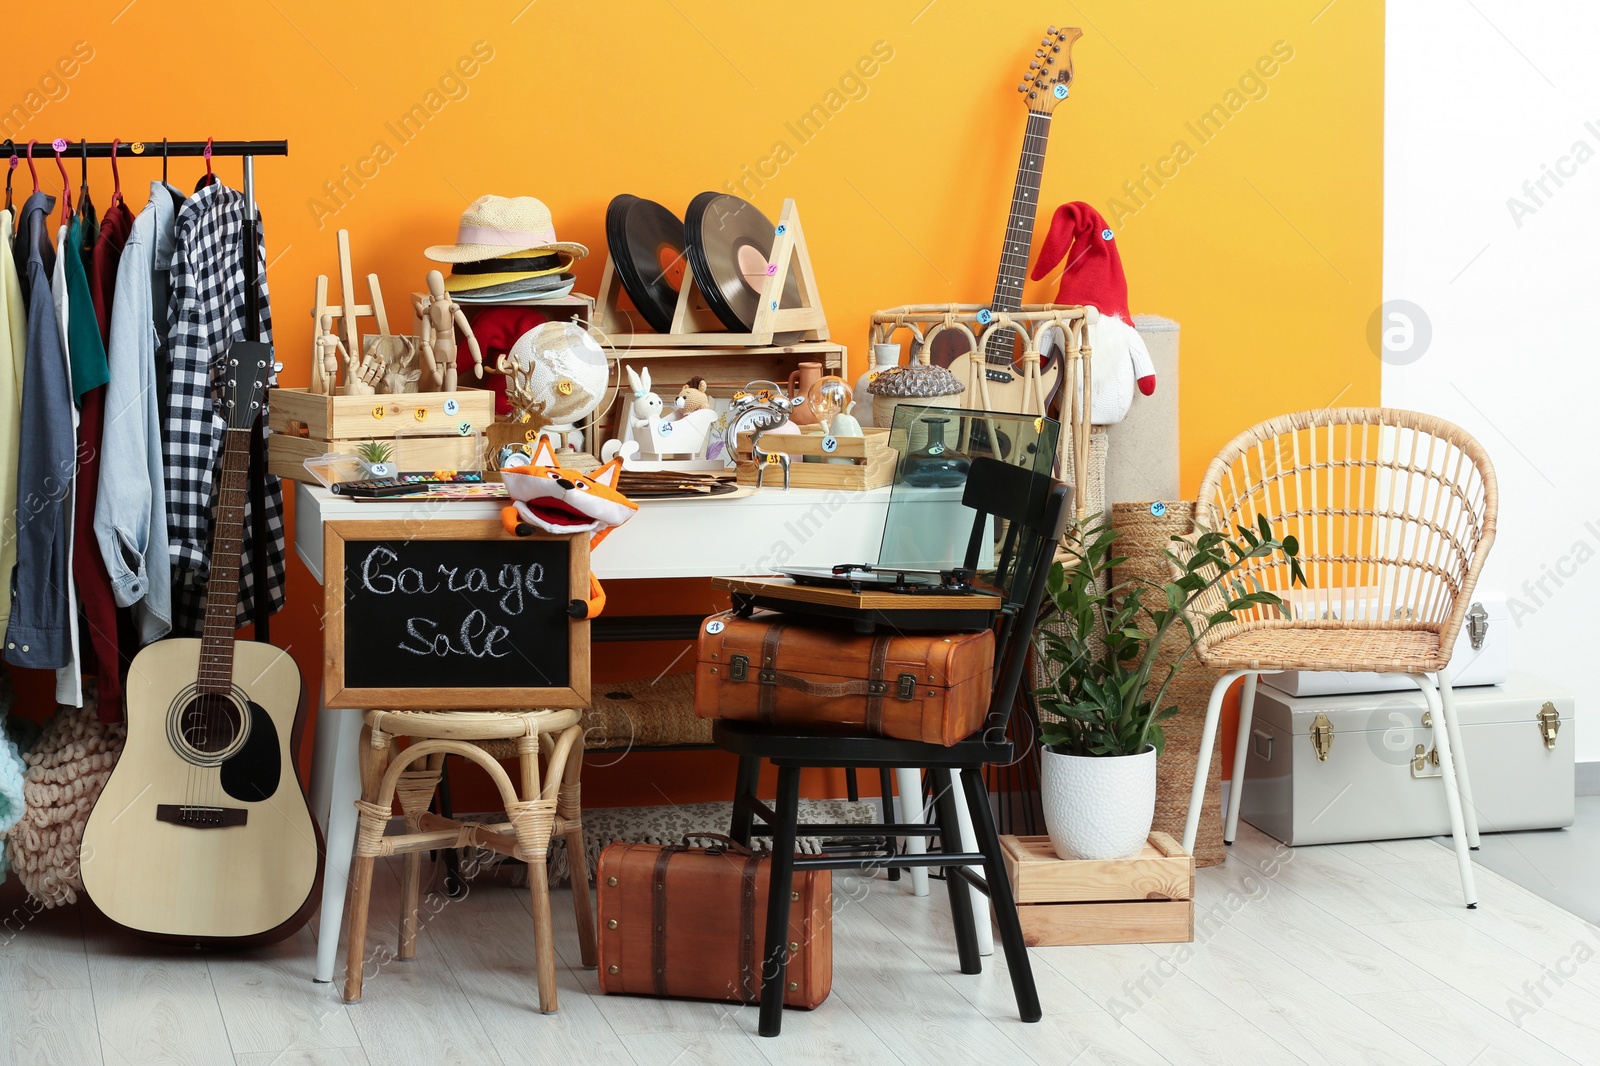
<point>1395,512</point>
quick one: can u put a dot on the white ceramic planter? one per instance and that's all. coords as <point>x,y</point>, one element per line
<point>1098,807</point>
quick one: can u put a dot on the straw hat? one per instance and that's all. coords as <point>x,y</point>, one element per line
<point>494,226</point>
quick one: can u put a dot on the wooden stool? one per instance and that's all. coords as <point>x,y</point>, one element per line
<point>536,815</point>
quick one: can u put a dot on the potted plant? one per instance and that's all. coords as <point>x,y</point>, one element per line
<point>375,456</point>
<point>1101,734</point>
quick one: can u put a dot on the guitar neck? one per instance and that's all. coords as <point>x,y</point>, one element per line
<point>1019,223</point>
<point>227,545</point>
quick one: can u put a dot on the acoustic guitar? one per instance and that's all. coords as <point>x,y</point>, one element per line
<point>1045,84</point>
<point>203,833</point>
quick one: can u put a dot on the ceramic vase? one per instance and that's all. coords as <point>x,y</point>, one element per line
<point>1098,807</point>
<point>883,357</point>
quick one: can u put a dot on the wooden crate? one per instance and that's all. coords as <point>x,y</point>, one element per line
<point>872,460</point>
<point>307,424</point>
<point>1148,899</point>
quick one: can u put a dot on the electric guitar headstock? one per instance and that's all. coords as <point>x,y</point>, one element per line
<point>1048,79</point>
<point>244,385</point>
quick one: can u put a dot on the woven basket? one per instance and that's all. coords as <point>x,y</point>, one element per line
<point>1144,538</point>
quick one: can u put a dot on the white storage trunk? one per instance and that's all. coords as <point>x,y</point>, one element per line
<point>1369,787</point>
<point>1482,656</point>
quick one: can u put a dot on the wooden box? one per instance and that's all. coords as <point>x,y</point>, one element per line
<point>1148,899</point>
<point>306,425</point>
<point>871,465</point>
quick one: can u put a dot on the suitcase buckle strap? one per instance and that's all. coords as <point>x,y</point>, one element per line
<point>877,688</point>
<point>767,677</point>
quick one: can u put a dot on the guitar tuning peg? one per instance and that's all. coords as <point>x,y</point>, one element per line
<point>1055,48</point>
<point>1034,65</point>
<point>1022,88</point>
<point>1038,53</point>
<point>1049,61</point>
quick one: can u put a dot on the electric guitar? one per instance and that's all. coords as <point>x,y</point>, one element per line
<point>1045,84</point>
<point>203,833</point>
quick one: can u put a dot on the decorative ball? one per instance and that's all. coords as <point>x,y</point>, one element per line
<point>568,369</point>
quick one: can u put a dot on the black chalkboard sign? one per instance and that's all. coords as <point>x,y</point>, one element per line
<point>450,613</point>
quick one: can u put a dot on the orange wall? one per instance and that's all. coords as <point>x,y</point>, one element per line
<point>1264,240</point>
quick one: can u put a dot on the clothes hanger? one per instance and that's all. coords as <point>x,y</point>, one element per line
<point>116,175</point>
<point>11,169</point>
<point>91,228</point>
<point>163,160</point>
<point>208,178</point>
<point>60,145</point>
<point>32,173</point>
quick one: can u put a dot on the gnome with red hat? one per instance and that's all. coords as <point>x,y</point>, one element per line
<point>1093,278</point>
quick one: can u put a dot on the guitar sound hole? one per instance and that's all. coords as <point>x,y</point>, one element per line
<point>210,723</point>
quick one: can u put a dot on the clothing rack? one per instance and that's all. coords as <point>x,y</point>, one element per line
<point>209,149</point>
<point>152,149</point>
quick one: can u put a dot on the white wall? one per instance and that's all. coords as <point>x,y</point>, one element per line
<point>1482,97</point>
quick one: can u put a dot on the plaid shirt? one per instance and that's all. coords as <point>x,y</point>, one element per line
<point>204,316</point>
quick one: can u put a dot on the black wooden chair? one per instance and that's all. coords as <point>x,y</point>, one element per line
<point>1032,511</point>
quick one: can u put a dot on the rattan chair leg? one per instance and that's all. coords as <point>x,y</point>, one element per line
<point>1208,737</point>
<point>570,806</point>
<point>909,781</point>
<point>356,942</point>
<point>544,947</point>
<point>1458,751</point>
<point>1241,752</point>
<point>1452,797</point>
<point>416,793</point>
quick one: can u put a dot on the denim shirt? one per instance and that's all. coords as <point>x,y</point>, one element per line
<point>38,632</point>
<point>130,518</point>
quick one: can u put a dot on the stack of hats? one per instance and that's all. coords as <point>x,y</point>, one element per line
<point>506,251</point>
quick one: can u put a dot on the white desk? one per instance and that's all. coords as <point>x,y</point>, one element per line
<point>729,536</point>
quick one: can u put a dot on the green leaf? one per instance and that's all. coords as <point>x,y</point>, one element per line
<point>1265,526</point>
<point>1291,545</point>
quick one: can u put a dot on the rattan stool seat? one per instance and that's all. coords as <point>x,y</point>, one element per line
<point>472,725</point>
<point>1401,651</point>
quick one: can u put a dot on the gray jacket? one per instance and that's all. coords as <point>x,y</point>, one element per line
<point>130,517</point>
<point>38,633</point>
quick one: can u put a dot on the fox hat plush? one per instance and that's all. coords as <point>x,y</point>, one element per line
<point>549,498</point>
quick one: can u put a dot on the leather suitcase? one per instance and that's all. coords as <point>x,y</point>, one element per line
<point>690,923</point>
<point>929,687</point>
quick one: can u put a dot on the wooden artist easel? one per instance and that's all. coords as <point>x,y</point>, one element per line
<point>694,324</point>
<point>344,314</point>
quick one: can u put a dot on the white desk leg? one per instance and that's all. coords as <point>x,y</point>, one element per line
<point>908,782</point>
<point>341,733</point>
<point>322,767</point>
<point>969,843</point>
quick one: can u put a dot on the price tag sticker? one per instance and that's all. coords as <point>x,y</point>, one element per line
<point>464,428</point>
<point>451,407</point>
<point>1158,509</point>
<point>666,429</point>
<point>137,148</point>
<point>59,144</point>
<point>1106,234</point>
<point>830,444</point>
<point>377,412</point>
<point>774,458</point>
<point>985,316</point>
<point>782,229</point>
<point>564,388</point>
<point>772,268</point>
<point>715,626</point>
<point>420,414</point>
<point>1060,92</point>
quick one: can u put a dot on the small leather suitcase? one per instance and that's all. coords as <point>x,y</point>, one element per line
<point>690,923</point>
<point>930,687</point>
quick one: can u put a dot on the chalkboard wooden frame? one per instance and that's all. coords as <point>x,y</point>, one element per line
<point>468,531</point>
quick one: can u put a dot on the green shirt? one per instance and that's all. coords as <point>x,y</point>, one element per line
<point>87,352</point>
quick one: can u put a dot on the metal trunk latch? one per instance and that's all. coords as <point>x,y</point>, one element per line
<point>739,667</point>
<point>1549,720</point>
<point>1477,625</point>
<point>1422,759</point>
<point>907,687</point>
<point>1321,737</point>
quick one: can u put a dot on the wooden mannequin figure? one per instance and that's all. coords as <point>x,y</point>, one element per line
<point>359,379</point>
<point>328,356</point>
<point>438,318</point>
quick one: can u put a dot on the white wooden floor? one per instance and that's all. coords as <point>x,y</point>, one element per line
<point>1346,954</point>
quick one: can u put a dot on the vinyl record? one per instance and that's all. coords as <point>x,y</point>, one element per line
<point>728,241</point>
<point>646,242</point>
